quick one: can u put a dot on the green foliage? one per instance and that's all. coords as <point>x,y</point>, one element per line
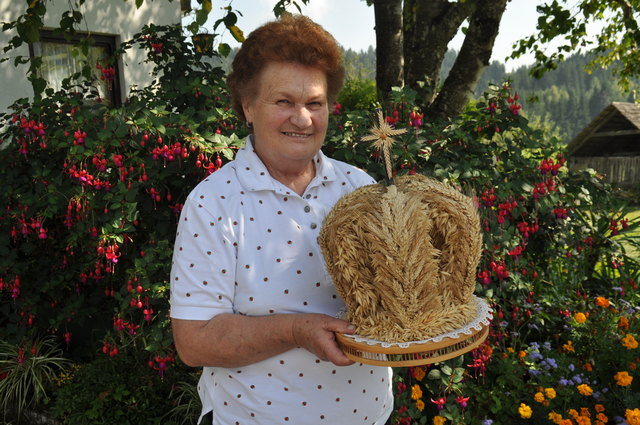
<point>358,94</point>
<point>26,372</point>
<point>615,45</point>
<point>118,390</point>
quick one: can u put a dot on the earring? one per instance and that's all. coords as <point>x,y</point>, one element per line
<point>249,125</point>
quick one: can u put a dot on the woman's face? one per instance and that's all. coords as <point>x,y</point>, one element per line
<point>289,114</point>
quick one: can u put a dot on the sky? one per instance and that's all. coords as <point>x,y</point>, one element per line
<point>352,23</point>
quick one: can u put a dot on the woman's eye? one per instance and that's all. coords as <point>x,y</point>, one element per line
<point>315,105</point>
<point>283,102</point>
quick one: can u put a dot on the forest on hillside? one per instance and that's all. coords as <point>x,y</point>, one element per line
<point>563,101</point>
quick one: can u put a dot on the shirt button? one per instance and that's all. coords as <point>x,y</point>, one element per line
<point>307,208</point>
<point>313,225</point>
<point>308,196</point>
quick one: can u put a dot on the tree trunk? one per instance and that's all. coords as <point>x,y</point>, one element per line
<point>389,40</point>
<point>473,58</point>
<point>429,26</point>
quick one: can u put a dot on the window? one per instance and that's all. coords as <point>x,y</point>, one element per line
<point>61,59</point>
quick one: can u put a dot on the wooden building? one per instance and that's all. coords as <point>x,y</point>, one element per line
<point>610,144</point>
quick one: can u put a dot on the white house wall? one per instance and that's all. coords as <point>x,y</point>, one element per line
<point>111,17</point>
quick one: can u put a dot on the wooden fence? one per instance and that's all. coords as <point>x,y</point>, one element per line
<point>623,171</point>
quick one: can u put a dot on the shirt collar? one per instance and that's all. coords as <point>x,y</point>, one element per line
<point>253,174</point>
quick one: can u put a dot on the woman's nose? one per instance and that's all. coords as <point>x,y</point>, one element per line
<point>301,116</point>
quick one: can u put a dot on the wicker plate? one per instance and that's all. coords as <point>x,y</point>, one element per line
<point>418,353</point>
<point>414,355</point>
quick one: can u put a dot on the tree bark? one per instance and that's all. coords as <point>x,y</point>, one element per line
<point>473,58</point>
<point>429,26</point>
<point>389,40</point>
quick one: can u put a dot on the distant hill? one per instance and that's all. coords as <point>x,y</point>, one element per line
<point>564,100</point>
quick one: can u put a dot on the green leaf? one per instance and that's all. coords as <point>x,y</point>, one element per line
<point>224,49</point>
<point>434,374</point>
<point>201,16</point>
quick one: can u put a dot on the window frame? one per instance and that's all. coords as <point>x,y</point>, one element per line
<point>106,41</point>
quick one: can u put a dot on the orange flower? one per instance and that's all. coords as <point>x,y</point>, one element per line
<point>420,405</point>
<point>568,347</point>
<point>588,367</point>
<point>623,323</point>
<point>580,317</point>
<point>416,392</point>
<point>539,397</point>
<point>632,416</point>
<point>584,389</point>
<point>602,418</point>
<point>419,373</point>
<point>602,302</point>
<point>550,393</point>
<point>630,342</point>
<point>623,378</point>
<point>554,417</point>
<point>599,408</point>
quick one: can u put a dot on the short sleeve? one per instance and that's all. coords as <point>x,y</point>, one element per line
<point>203,266</point>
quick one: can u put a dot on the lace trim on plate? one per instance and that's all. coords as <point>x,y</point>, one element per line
<point>483,317</point>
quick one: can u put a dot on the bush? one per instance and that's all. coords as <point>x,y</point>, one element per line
<point>118,390</point>
<point>554,241</point>
<point>91,196</point>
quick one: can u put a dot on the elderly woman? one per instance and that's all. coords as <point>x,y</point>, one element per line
<point>251,300</point>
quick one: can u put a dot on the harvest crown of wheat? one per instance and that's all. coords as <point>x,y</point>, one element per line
<point>403,255</point>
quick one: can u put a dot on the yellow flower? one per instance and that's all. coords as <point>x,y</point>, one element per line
<point>566,422</point>
<point>554,417</point>
<point>630,342</point>
<point>623,378</point>
<point>550,393</point>
<point>584,389</point>
<point>419,373</point>
<point>416,392</point>
<point>632,416</point>
<point>420,405</point>
<point>539,397</point>
<point>573,413</point>
<point>525,411</point>
<point>580,317</point>
<point>439,420</point>
<point>602,302</point>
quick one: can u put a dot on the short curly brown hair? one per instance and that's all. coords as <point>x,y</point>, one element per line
<point>292,38</point>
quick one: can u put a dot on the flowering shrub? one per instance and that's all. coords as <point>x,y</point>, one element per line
<point>91,194</point>
<point>555,243</point>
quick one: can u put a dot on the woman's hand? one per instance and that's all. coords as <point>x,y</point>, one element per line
<point>316,333</point>
<point>234,340</point>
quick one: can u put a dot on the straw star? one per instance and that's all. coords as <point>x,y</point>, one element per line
<point>382,132</point>
<point>381,135</point>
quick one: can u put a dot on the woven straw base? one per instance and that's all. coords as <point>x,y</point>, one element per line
<point>414,354</point>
